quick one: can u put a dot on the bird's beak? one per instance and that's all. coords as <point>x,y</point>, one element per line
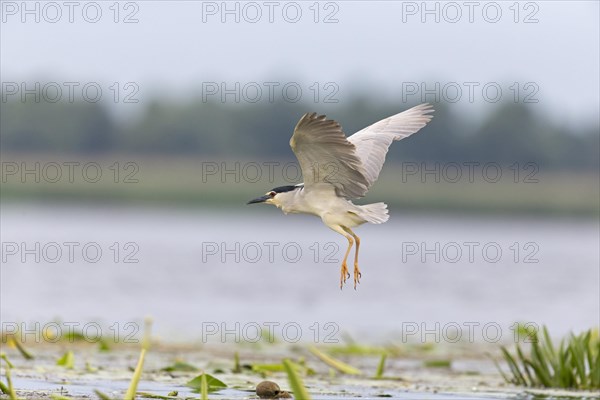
<point>259,200</point>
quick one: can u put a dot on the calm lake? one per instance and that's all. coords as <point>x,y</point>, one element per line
<point>215,275</point>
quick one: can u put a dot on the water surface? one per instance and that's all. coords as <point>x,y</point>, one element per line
<point>201,270</point>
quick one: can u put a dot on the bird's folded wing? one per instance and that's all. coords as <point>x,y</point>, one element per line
<point>327,157</point>
<point>372,142</point>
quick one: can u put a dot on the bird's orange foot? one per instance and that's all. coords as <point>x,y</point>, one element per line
<point>357,275</point>
<point>344,274</point>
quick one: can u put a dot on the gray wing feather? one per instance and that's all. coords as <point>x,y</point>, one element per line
<point>327,157</point>
<point>372,142</point>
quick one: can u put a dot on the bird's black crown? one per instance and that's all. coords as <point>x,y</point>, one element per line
<point>283,189</point>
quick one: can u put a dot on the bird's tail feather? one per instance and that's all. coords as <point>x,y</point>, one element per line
<point>376,213</point>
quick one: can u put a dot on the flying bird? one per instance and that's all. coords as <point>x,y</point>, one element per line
<point>337,169</point>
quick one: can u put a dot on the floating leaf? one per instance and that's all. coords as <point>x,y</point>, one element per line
<point>67,360</point>
<point>261,368</point>
<point>102,396</point>
<point>156,396</point>
<point>355,349</point>
<point>268,368</point>
<point>437,363</point>
<point>74,336</point>
<point>89,368</point>
<point>103,345</point>
<point>213,383</point>
<point>180,366</point>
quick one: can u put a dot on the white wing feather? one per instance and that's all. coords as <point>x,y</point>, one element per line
<point>326,157</point>
<point>372,142</point>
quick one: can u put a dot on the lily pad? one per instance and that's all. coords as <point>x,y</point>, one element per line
<point>213,383</point>
<point>180,366</point>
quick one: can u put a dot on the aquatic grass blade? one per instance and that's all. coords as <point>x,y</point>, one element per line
<point>595,370</point>
<point>6,360</point>
<point>514,368</point>
<point>24,352</point>
<point>381,366</point>
<point>523,360</point>
<point>237,368</point>
<point>101,395</point>
<point>3,388</point>
<point>575,364</point>
<point>540,365</point>
<point>504,376</point>
<point>203,388</point>
<point>300,392</point>
<point>137,373</point>
<point>9,385</point>
<point>332,362</point>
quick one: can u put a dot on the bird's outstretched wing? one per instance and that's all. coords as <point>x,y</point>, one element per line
<point>372,142</point>
<point>327,157</point>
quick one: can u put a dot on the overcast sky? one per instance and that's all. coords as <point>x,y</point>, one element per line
<point>550,48</point>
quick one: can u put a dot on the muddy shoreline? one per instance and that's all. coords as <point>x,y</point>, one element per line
<point>413,372</point>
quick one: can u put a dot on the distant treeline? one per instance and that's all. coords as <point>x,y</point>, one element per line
<point>513,133</point>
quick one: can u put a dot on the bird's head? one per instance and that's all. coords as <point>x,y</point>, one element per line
<point>279,196</point>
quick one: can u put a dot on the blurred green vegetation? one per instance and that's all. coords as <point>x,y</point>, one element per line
<point>171,142</point>
<point>170,180</point>
<point>513,133</point>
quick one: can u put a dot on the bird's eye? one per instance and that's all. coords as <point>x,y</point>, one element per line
<point>272,194</point>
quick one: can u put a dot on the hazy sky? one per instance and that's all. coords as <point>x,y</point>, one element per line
<point>551,51</point>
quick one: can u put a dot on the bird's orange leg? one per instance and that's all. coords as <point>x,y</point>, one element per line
<point>357,274</point>
<point>344,274</point>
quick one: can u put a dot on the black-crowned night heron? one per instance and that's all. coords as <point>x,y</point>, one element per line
<point>336,169</point>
